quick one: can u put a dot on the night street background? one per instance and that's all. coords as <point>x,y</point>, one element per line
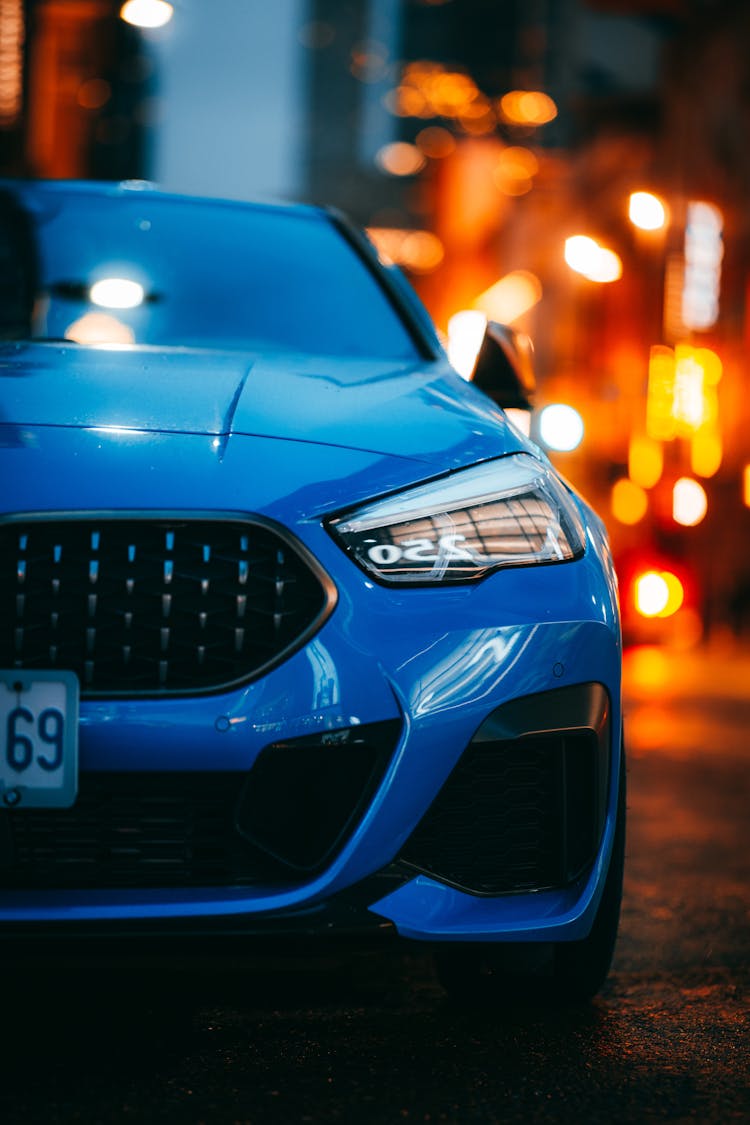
<point>372,1038</point>
<point>409,115</point>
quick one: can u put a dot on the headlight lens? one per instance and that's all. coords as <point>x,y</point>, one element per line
<point>510,512</point>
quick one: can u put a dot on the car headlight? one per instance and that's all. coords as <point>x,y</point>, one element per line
<point>510,512</point>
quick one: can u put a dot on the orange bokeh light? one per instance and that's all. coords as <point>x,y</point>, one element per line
<point>429,89</point>
<point>515,170</point>
<point>658,593</point>
<point>689,502</point>
<point>527,107</point>
<point>646,211</point>
<point>510,297</point>
<point>584,255</point>
<point>629,502</point>
<point>706,452</point>
<point>436,142</point>
<point>400,159</point>
<point>645,460</point>
<point>420,251</point>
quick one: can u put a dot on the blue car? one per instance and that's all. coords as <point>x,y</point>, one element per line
<point>300,637</point>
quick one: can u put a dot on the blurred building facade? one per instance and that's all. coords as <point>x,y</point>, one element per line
<point>472,138</point>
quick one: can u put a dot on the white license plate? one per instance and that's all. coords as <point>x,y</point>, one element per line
<point>38,739</point>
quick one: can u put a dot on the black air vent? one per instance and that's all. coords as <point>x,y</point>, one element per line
<point>514,816</point>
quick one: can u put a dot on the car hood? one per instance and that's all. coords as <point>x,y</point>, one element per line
<point>420,412</point>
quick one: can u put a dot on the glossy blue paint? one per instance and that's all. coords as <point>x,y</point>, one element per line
<point>426,413</point>
<point>295,438</point>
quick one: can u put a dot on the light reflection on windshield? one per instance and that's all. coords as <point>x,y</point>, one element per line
<point>117,293</point>
<point>99,328</point>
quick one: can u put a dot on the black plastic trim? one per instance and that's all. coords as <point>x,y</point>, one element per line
<point>578,709</point>
<point>368,256</point>
<point>345,920</point>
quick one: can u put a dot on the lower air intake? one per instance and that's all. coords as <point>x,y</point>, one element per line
<point>274,825</point>
<point>132,830</point>
<point>524,813</point>
<point>304,795</point>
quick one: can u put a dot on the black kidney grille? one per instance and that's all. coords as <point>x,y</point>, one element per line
<point>154,606</point>
<point>514,816</point>
<point>134,830</point>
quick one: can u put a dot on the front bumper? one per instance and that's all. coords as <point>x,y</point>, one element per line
<point>448,662</point>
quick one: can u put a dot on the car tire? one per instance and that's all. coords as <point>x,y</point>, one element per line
<point>571,972</point>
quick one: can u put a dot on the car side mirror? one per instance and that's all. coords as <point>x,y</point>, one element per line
<point>504,368</point>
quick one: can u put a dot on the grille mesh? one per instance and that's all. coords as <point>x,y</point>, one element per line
<point>287,816</point>
<point>152,606</point>
<point>134,830</point>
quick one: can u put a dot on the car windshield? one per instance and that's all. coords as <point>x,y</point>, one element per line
<point>133,267</point>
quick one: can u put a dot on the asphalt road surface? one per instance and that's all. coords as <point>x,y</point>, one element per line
<point>366,1039</point>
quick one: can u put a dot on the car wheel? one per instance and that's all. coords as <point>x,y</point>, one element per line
<point>561,972</point>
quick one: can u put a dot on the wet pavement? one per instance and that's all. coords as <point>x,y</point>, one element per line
<point>372,1039</point>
